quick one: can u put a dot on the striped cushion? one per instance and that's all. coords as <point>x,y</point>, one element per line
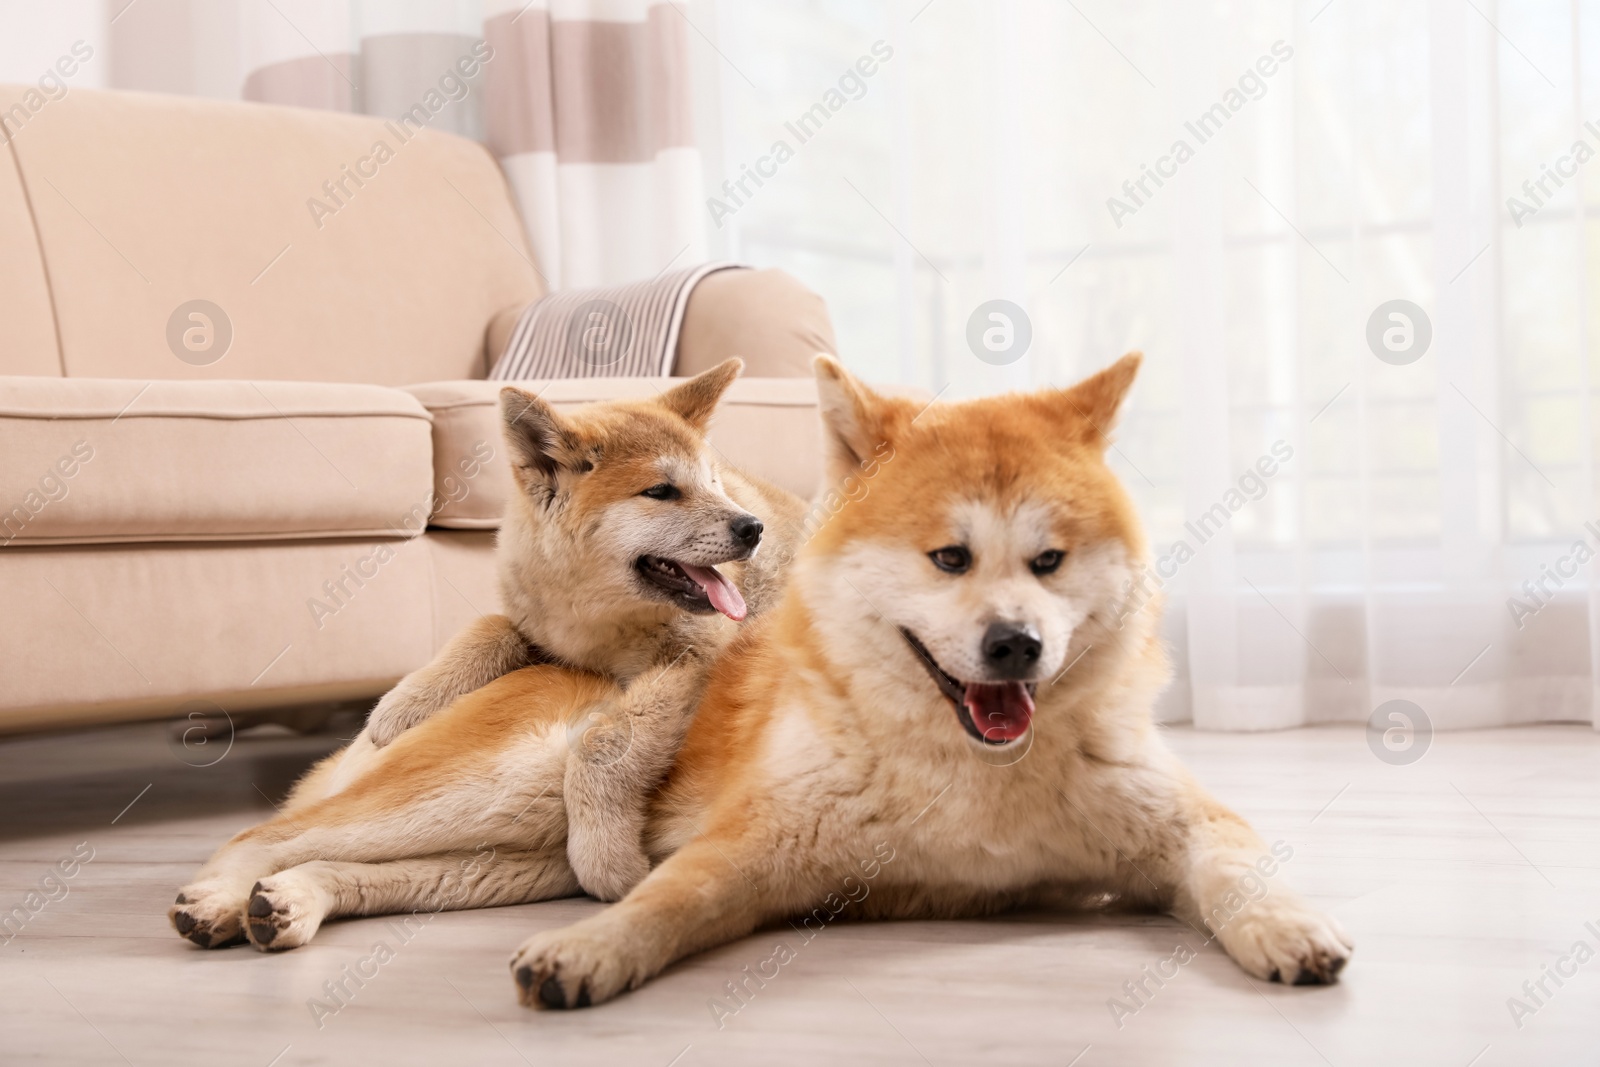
<point>623,331</point>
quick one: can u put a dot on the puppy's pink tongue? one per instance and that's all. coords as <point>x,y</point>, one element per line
<point>724,597</point>
<point>1000,710</point>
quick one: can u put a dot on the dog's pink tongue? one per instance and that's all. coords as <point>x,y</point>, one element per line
<point>724,597</point>
<point>1001,711</point>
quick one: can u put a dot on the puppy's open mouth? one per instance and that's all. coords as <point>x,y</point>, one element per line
<point>701,590</point>
<point>996,713</point>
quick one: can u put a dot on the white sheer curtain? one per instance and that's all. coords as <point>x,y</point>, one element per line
<point>1416,527</point>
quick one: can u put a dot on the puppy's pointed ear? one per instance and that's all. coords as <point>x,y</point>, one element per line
<point>541,443</point>
<point>1091,406</point>
<point>857,423</point>
<point>696,399</point>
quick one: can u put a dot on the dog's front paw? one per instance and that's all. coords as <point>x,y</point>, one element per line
<point>285,910</point>
<point>570,968</point>
<point>1283,939</point>
<point>608,865</point>
<point>401,708</point>
<point>208,913</point>
<point>611,883</point>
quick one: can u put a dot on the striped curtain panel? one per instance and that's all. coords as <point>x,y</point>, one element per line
<point>588,106</point>
<point>586,103</point>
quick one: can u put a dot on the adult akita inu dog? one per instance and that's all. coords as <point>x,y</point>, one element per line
<point>608,558</point>
<point>950,674</point>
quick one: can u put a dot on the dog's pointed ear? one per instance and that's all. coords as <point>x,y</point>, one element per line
<point>696,399</point>
<point>1096,400</point>
<point>541,442</point>
<point>857,423</point>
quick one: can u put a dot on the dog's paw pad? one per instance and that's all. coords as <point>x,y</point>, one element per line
<point>208,916</point>
<point>282,913</point>
<point>1284,940</point>
<point>558,969</point>
<point>266,922</point>
<point>1321,967</point>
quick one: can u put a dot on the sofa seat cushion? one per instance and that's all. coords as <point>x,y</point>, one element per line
<point>98,460</point>
<point>767,427</point>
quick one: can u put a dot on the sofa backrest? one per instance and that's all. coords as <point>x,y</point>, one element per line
<point>331,247</point>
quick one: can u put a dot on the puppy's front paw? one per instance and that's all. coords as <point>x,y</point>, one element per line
<point>401,708</point>
<point>208,913</point>
<point>1283,939</point>
<point>285,910</point>
<point>616,880</point>
<point>570,968</point>
<point>608,864</point>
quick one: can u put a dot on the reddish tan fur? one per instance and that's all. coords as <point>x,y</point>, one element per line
<point>435,792</point>
<point>568,553</point>
<point>818,744</point>
<point>822,754</point>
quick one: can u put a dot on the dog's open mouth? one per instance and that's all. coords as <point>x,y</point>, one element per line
<point>698,589</point>
<point>996,713</point>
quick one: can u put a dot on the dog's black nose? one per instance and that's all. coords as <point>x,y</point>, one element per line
<point>1011,651</point>
<point>747,530</point>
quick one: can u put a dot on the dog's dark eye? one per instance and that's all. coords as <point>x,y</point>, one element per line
<point>951,558</point>
<point>1046,562</point>
<point>664,491</point>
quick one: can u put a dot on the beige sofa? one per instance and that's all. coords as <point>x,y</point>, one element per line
<point>287,495</point>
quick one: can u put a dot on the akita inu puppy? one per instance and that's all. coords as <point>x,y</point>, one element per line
<point>594,572</point>
<point>607,559</point>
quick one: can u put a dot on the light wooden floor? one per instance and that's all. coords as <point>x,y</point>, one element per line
<point>1460,876</point>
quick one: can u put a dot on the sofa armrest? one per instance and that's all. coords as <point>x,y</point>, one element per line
<point>498,334</point>
<point>765,317</point>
